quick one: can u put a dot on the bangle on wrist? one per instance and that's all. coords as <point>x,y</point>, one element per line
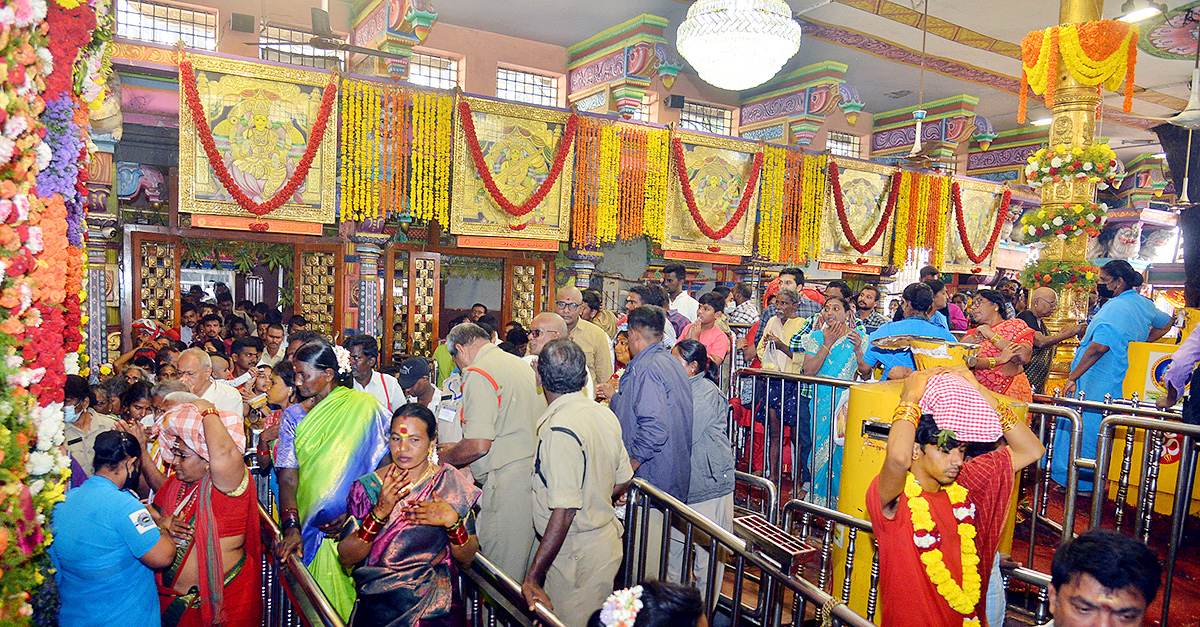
<point>1008,419</point>
<point>458,535</point>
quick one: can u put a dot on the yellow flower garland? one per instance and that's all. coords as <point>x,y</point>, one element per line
<point>942,206</point>
<point>656,183</point>
<point>608,186</point>
<point>900,219</point>
<point>962,599</point>
<point>772,202</point>
<point>812,209</point>
<point>445,157</point>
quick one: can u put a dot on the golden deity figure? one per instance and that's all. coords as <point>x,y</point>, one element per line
<point>259,147</point>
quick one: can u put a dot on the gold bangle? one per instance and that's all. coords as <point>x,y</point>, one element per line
<point>1008,419</point>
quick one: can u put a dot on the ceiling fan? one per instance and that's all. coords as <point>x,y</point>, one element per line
<point>324,39</point>
<point>919,157</point>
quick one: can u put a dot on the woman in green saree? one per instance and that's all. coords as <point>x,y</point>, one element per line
<point>407,522</point>
<point>320,454</point>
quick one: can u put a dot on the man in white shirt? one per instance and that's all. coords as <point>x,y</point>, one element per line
<point>674,279</point>
<point>195,371</point>
<point>273,347</point>
<point>364,355</point>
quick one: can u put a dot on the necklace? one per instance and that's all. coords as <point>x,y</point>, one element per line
<point>182,503</point>
<point>962,598</point>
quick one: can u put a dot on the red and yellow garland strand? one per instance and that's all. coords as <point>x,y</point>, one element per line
<point>485,173</point>
<point>839,203</point>
<point>192,97</point>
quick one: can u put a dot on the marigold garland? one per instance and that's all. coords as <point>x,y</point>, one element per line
<point>689,197</point>
<point>485,173</point>
<point>965,597</point>
<point>810,198</point>
<point>1102,52</point>
<point>772,204</point>
<point>187,76</point>
<point>963,237</point>
<point>584,218</point>
<point>657,171</point>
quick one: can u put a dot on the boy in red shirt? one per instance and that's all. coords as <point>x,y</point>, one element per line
<point>926,503</point>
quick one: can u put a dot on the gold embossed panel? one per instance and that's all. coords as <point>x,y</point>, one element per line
<point>424,283</point>
<point>156,278</point>
<point>523,290</point>
<point>395,305</point>
<point>317,286</point>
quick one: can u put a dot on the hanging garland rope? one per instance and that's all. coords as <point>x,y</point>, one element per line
<point>839,202</point>
<point>560,158</point>
<point>956,198</point>
<point>192,95</point>
<point>685,184</point>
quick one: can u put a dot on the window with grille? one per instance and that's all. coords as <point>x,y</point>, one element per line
<point>642,114</point>
<point>527,87</point>
<point>706,118</point>
<point>268,50</point>
<point>844,144</point>
<point>161,23</point>
<point>433,71</point>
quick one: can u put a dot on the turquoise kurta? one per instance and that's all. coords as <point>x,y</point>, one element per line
<point>1128,317</point>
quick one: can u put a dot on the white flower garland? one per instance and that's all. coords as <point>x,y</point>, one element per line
<point>622,607</point>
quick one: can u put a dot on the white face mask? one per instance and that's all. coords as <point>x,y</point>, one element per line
<point>69,414</point>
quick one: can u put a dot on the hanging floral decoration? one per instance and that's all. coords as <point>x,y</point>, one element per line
<point>892,194</point>
<point>920,212</point>
<point>772,213</point>
<point>790,205</point>
<point>689,197</point>
<point>1059,275</point>
<point>620,183</point>
<point>1095,164</point>
<point>960,221</point>
<point>290,189</point>
<point>485,174</point>
<point>632,182</point>
<point>585,219</point>
<point>1102,52</point>
<point>657,173</point>
<point>1064,222</point>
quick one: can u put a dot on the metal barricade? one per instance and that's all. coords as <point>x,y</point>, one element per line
<point>290,596</point>
<point>1152,451</point>
<point>761,496</point>
<point>1044,420</point>
<point>771,385</point>
<point>744,562</point>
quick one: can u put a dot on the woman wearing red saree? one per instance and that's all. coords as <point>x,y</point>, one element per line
<point>408,523</point>
<point>209,505</point>
<point>1006,346</point>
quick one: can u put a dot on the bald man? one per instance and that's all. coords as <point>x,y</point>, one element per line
<point>545,328</point>
<point>591,338</point>
<point>196,372</point>
<point>1042,302</point>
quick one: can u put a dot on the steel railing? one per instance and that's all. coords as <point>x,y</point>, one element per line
<point>743,561</point>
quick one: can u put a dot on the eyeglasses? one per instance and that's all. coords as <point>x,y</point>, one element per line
<point>1053,303</point>
<point>539,332</point>
<point>568,306</point>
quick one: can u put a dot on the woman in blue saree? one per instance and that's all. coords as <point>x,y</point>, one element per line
<point>343,437</point>
<point>1103,356</point>
<point>408,522</point>
<point>833,349</point>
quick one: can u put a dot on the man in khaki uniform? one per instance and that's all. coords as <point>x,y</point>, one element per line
<point>592,339</point>
<point>581,464</point>
<point>499,405</point>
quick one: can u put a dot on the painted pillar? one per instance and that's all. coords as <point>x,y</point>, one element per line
<point>1074,125</point>
<point>101,237</point>
<point>583,263</point>
<point>368,245</point>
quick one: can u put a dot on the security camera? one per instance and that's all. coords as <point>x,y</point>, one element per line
<point>108,232</point>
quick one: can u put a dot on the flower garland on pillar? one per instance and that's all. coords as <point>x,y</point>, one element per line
<point>894,187</point>
<point>689,197</point>
<point>485,174</point>
<point>964,238</point>
<point>1103,52</point>
<point>290,189</point>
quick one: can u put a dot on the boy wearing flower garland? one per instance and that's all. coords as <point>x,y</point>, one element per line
<point>935,516</point>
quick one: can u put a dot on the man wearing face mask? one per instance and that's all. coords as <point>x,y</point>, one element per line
<point>106,542</point>
<point>83,424</point>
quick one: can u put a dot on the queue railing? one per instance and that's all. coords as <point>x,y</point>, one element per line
<point>1046,421</point>
<point>291,597</point>
<point>493,598</point>
<point>694,529</point>
<point>1156,433</point>
<point>780,387</point>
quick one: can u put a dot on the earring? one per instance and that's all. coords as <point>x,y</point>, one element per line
<point>433,456</point>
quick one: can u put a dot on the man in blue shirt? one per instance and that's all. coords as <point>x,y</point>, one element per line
<point>653,403</point>
<point>106,543</point>
<point>917,304</point>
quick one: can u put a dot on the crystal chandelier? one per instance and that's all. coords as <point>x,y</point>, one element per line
<point>738,44</point>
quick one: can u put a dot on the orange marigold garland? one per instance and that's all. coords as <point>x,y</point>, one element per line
<point>1102,52</point>
<point>584,219</point>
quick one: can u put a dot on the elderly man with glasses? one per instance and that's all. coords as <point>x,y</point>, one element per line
<point>596,346</point>
<point>1042,302</point>
<point>545,328</point>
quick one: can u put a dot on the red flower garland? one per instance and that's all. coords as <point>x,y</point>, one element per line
<point>560,158</point>
<point>839,203</point>
<point>689,196</point>
<point>188,77</point>
<point>956,199</point>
